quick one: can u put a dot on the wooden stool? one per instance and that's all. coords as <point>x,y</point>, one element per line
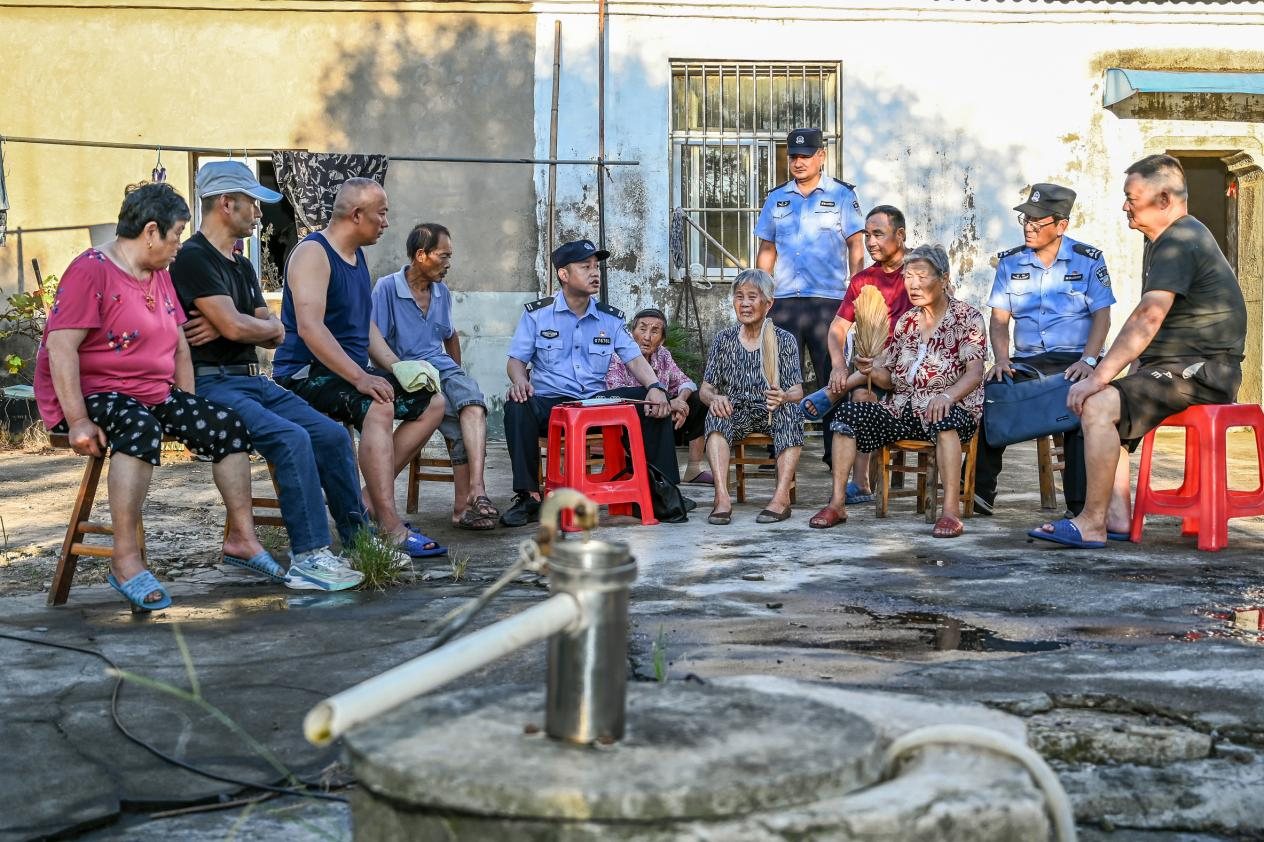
<point>82,525</point>
<point>1050,457</point>
<point>268,504</point>
<point>741,460</point>
<point>891,461</point>
<point>427,469</point>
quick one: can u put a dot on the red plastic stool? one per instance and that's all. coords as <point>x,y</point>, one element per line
<point>568,458</point>
<point>1204,502</point>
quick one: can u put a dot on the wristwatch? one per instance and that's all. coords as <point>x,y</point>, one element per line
<point>657,385</point>
<point>1091,362</point>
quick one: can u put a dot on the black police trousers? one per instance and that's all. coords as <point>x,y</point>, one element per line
<point>526,422</point>
<point>808,319</point>
<point>987,466</point>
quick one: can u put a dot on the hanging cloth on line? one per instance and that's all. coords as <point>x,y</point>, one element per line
<point>4,198</point>
<point>310,180</point>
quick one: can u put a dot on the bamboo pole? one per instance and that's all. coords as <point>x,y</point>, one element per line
<point>557,79</point>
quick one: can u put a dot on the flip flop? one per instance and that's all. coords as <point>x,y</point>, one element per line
<point>1065,532</point>
<point>720,518</point>
<point>856,496</point>
<point>419,545</point>
<point>1119,536</point>
<point>948,527</point>
<point>769,516</point>
<point>135,589</point>
<point>816,404</point>
<point>702,478</point>
<point>473,520</point>
<point>262,564</point>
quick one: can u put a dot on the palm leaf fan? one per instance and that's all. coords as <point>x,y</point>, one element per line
<point>873,321</point>
<point>769,356</point>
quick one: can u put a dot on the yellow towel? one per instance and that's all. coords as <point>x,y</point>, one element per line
<point>416,374</point>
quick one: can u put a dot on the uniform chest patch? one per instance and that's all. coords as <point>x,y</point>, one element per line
<point>1074,276</point>
<point>550,334</point>
<point>602,340</point>
<point>784,204</point>
<point>829,204</point>
<point>1020,276</point>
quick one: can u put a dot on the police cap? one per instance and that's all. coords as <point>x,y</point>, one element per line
<point>804,142</point>
<point>575,251</point>
<point>1048,200</point>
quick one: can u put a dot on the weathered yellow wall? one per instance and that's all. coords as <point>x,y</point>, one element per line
<point>393,82</point>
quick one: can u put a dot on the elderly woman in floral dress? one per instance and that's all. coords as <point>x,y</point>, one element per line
<point>649,329</point>
<point>933,368</point>
<point>742,401</point>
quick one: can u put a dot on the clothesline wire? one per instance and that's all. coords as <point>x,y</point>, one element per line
<point>259,153</point>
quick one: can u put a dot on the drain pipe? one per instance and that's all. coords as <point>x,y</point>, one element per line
<point>586,621</point>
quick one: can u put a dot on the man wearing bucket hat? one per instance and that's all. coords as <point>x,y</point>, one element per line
<point>568,340</point>
<point>1056,291</point>
<point>228,319</point>
<point>811,240</point>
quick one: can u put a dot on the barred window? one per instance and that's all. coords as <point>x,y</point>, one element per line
<point>728,128</point>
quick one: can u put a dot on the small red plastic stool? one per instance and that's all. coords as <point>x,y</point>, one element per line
<point>568,458</point>
<point>1204,502</point>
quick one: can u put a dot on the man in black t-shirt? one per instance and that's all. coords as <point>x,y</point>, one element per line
<point>228,319</point>
<point>1184,341</point>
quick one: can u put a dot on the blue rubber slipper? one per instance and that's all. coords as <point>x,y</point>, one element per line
<point>1065,532</point>
<point>263,564</point>
<point>855,495</point>
<point>135,589</point>
<point>415,545</point>
<point>816,404</point>
<point>1119,536</point>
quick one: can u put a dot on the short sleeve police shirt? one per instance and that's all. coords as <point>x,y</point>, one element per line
<point>810,233</point>
<point>568,354</point>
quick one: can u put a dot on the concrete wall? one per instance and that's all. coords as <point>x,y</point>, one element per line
<point>407,82</point>
<point>950,110</point>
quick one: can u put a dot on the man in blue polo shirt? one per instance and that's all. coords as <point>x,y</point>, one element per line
<point>811,240</point>
<point>1057,293</point>
<point>567,340</point>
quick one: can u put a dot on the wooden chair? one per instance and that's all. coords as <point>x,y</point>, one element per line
<point>891,461</point>
<point>1050,457</point>
<point>425,468</point>
<point>742,460</point>
<point>268,504</point>
<point>82,525</point>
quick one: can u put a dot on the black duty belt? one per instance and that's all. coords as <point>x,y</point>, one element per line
<point>247,369</point>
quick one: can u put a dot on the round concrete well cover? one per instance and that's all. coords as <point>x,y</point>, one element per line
<point>690,751</point>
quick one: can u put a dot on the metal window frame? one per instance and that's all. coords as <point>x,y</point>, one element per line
<point>680,138</point>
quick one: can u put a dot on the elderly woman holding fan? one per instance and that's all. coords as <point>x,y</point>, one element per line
<point>752,385</point>
<point>933,371</point>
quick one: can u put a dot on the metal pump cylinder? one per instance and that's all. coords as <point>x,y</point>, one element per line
<point>587,684</point>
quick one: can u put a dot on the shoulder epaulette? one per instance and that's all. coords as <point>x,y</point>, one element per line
<point>846,184</point>
<point>614,311</point>
<point>538,304</point>
<point>1010,252</point>
<point>1087,250</point>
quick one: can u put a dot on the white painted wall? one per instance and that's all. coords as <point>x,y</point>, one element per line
<point>950,110</point>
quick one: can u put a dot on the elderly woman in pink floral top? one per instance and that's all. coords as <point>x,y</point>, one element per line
<point>649,329</point>
<point>933,368</point>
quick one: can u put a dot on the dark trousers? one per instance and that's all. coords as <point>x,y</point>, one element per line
<point>808,319</point>
<point>695,422</point>
<point>988,461</point>
<point>525,422</point>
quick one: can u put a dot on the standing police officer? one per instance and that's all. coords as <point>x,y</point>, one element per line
<point>567,340</point>
<point>1057,292</point>
<point>811,241</point>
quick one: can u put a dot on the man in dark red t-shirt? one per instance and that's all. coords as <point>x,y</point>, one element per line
<point>884,240</point>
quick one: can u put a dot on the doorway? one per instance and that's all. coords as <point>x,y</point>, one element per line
<point>1213,197</point>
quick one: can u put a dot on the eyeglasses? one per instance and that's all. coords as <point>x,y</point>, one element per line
<point>1035,225</point>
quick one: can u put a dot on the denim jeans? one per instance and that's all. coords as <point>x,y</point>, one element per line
<point>309,451</point>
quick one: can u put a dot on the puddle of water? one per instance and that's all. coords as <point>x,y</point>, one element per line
<point>191,608</point>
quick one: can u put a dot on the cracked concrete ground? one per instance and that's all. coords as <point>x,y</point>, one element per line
<point>1123,661</point>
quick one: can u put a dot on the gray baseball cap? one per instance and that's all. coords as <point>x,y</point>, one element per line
<point>220,177</point>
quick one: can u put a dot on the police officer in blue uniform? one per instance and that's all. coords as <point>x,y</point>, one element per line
<point>1056,291</point>
<point>811,240</point>
<point>568,339</point>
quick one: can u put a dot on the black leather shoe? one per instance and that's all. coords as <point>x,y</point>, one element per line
<point>525,509</point>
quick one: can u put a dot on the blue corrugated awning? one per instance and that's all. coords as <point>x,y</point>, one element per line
<point>1122,83</point>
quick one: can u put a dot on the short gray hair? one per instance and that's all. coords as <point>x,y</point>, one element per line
<point>935,255</point>
<point>759,279</point>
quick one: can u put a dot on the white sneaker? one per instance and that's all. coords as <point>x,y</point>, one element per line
<point>321,570</point>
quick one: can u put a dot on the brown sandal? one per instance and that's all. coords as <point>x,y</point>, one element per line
<point>947,527</point>
<point>485,507</point>
<point>827,517</point>
<point>471,519</point>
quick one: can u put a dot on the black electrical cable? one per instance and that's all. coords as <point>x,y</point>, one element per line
<point>159,753</point>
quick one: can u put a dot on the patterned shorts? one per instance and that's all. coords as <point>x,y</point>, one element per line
<point>748,417</point>
<point>873,426</point>
<point>330,394</point>
<point>135,429</point>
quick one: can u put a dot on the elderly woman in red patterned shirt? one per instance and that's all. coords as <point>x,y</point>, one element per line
<point>933,367</point>
<point>649,329</point>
